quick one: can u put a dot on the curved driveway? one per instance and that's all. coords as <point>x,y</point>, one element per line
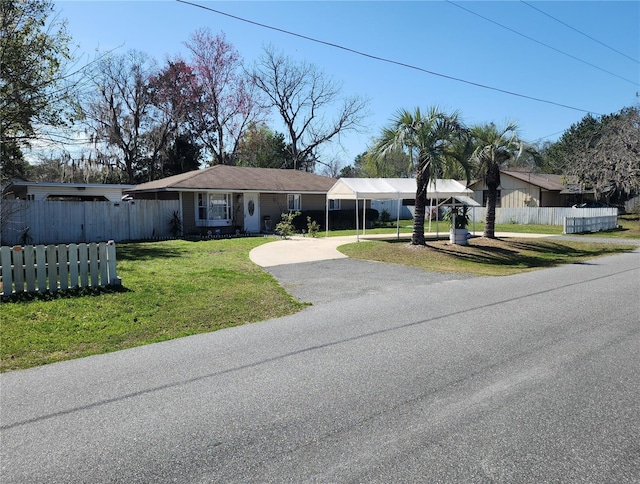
<point>299,249</point>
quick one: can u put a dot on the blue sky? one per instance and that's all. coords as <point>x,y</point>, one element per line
<point>437,36</point>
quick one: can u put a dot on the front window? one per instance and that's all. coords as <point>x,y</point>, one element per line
<point>334,204</point>
<point>214,209</point>
<point>293,202</point>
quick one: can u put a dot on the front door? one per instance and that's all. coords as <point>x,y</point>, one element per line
<point>252,212</point>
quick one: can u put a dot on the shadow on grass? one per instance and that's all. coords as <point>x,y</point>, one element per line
<point>146,251</point>
<point>66,294</point>
<point>517,253</point>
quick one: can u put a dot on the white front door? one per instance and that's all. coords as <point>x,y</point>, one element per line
<point>252,212</point>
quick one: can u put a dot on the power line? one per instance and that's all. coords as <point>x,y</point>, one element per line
<point>382,59</point>
<point>541,43</point>
<point>580,32</point>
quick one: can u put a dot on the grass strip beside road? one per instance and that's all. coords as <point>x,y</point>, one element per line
<point>170,289</point>
<point>483,257</point>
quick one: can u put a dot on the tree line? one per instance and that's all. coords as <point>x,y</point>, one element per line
<point>132,119</point>
<point>142,120</point>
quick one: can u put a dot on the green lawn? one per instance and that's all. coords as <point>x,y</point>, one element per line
<point>406,227</point>
<point>488,257</point>
<point>170,289</point>
<point>629,228</point>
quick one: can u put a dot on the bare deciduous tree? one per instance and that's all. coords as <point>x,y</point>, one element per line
<point>603,153</point>
<point>117,111</point>
<point>224,101</point>
<point>304,96</point>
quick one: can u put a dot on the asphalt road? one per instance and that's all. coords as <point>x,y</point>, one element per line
<point>393,375</point>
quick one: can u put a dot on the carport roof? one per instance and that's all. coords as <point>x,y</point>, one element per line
<point>394,189</point>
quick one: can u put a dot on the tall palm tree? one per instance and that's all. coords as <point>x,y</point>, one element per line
<point>427,139</point>
<point>493,148</point>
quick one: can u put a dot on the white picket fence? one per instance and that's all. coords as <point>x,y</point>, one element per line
<point>51,268</point>
<point>62,222</point>
<point>578,225</point>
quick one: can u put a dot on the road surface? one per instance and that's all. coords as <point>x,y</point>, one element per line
<point>393,375</point>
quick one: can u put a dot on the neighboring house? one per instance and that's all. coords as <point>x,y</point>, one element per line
<point>523,189</point>
<point>76,192</point>
<point>225,199</point>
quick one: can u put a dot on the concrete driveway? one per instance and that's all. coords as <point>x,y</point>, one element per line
<point>300,249</point>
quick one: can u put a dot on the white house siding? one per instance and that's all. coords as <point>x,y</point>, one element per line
<point>515,193</point>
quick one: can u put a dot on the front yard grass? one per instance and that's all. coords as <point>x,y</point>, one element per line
<point>485,257</point>
<point>170,289</point>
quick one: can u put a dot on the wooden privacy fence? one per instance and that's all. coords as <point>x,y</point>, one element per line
<point>57,222</point>
<point>51,268</point>
<point>577,225</point>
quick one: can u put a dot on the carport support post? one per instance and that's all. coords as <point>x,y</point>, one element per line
<point>398,219</point>
<point>437,218</point>
<point>357,225</point>
<point>364,216</point>
<point>326,217</point>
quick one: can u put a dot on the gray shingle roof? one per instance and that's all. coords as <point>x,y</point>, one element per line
<point>239,178</point>
<point>542,180</point>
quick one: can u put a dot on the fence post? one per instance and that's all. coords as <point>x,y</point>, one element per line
<point>114,280</point>
<point>104,268</point>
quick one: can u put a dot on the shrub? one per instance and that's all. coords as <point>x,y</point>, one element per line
<point>312,227</point>
<point>285,228</point>
<point>175,224</point>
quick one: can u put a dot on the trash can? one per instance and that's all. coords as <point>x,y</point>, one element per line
<point>267,223</point>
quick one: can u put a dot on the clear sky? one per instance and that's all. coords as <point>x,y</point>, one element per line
<point>438,36</point>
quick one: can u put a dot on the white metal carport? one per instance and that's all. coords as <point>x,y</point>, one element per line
<point>391,189</point>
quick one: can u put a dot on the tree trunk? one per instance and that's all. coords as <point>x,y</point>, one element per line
<point>492,180</point>
<point>490,220</point>
<point>418,216</point>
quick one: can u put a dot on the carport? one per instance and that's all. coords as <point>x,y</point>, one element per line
<point>394,189</point>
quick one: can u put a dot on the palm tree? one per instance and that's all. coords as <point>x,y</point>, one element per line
<point>427,139</point>
<point>493,148</point>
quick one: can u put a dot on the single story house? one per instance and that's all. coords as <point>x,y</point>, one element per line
<point>76,192</point>
<point>524,189</point>
<point>225,199</point>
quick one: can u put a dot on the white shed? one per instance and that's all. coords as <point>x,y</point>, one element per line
<point>28,190</point>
